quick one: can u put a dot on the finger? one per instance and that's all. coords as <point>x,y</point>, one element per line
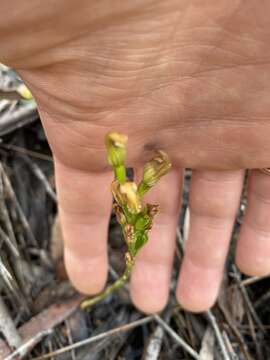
<point>214,200</point>
<point>150,281</point>
<point>253,248</point>
<point>84,206</point>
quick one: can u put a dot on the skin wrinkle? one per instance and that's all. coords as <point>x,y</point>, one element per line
<point>97,250</point>
<point>214,47</point>
<point>95,24</point>
<point>204,266</point>
<point>171,33</point>
<point>142,95</point>
<point>162,145</point>
<point>216,257</point>
<point>261,197</point>
<point>180,47</point>
<point>78,258</point>
<point>224,23</point>
<point>78,214</point>
<point>228,177</point>
<point>263,234</point>
<point>229,35</point>
<point>214,221</point>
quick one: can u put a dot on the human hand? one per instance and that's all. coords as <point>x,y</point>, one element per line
<point>186,77</point>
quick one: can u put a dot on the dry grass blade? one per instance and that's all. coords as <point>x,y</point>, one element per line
<point>69,336</point>
<point>9,281</point>
<point>208,344</point>
<point>115,331</point>
<point>21,150</point>
<point>180,239</point>
<point>40,325</point>
<point>218,334</point>
<point>155,342</point>
<point>40,175</point>
<point>15,117</point>
<point>253,280</point>
<point>235,331</point>
<point>254,337</point>
<point>13,249</point>
<point>4,213</point>
<point>264,298</point>
<point>247,300</point>
<point>13,197</point>
<point>186,225</point>
<point>7,327</point>
<point>229,346</point>
<point>177,338</point>
<point>27,346</point>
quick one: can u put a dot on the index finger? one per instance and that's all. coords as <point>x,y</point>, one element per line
<point>84,206</point>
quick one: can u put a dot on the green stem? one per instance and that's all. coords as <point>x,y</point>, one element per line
<point>120,173</point>
<point>116,285</point>
<point>142,188</point>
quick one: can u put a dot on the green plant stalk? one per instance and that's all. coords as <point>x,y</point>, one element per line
<point>116,285</point>
<point>120,173</point>
<point>143,188</point>
<point>136,222</point>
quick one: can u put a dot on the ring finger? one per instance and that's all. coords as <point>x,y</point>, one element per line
<point>214,200</point>
<point>253,249</point>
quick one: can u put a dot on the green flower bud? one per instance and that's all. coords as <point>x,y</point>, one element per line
<point>153,171</point>
<point>156,168</point>
<point>143,222</point>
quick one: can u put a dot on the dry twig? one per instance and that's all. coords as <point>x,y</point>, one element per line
<point>253,280</point>
<point>153,349</point>
<point>235,330</point>
<point>13,197</point>
<point>41,176</point>
<point>247,299</point>
<point>177,338</point>
<point>39,326</point>
<point>8,328</point>
<point>208,343</point>
<point>218,334</point>
<point>115,331</point>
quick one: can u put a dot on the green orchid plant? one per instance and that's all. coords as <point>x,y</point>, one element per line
<point>135,218</point>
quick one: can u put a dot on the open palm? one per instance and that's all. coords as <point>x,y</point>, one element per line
<point>190,78</point>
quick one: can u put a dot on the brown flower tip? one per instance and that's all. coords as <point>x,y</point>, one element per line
<point>152,210</point>
<point>129,233</point>
<point>129,259</point>
<point>120,216</point>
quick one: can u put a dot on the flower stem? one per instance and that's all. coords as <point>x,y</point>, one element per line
<point>120,173</point>
<point>116,285</point>
<point>142,188</point>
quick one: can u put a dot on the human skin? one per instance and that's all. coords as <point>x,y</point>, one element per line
<point>189,77</point>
